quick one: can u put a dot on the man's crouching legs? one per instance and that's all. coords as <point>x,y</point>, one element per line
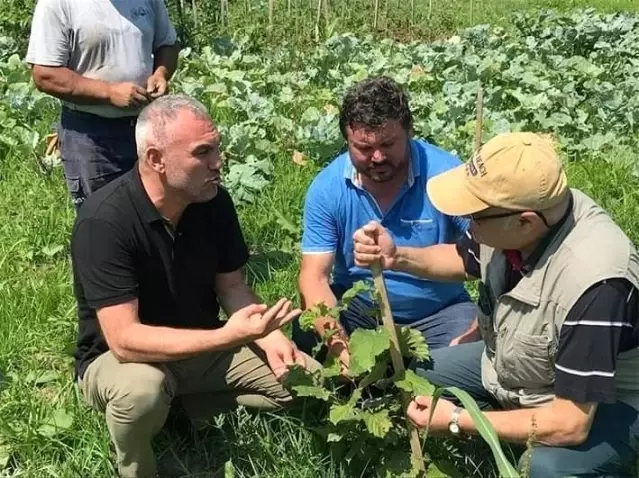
<point>135,398</point>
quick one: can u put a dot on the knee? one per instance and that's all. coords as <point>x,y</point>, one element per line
<point>140,395</point>
<point>543,462</point>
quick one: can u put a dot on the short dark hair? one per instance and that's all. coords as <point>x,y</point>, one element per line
<point>374,101</point>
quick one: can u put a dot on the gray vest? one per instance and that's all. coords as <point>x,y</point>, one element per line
<point>522,333</point>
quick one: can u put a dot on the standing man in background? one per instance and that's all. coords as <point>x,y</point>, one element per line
<point>105,60</point>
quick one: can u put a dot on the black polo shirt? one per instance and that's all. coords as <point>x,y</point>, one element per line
<point>122,249</point>
<point>603,323</point>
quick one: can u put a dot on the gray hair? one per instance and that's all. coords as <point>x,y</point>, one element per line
<point>153,118</point>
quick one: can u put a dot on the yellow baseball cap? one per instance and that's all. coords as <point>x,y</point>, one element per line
<point>515,171</point>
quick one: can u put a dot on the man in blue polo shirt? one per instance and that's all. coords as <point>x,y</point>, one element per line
<point>381,177</point>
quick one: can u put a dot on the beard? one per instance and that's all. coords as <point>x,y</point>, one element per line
<point>380,172</point>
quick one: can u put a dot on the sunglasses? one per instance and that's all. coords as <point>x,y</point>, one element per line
<point>474,217</point>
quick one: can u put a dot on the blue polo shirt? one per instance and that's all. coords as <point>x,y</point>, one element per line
<point>336,206</point>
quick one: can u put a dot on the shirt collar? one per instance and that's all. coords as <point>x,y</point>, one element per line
<point>142,202</point>
<point>414,170</point>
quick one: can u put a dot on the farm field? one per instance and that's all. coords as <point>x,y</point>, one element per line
<point>573,75</point>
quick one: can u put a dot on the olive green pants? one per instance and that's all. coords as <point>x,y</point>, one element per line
<point>136,397</point>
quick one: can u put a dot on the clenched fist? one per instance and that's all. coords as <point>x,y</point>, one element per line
<point>373,243</point>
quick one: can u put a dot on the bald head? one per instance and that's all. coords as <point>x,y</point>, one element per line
<point>151,127</point>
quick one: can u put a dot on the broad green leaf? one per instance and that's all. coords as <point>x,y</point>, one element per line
<point>346,411</point>
<point>365,346</point>
<point>377,373</point>
<point>412,343</point>
<point>484,427</point>
<point>333,437</point>
<point>415,385</point>
<point>298,375</point>
<point>377,423</point>
<point>58,421</point>
<point>312,391</point>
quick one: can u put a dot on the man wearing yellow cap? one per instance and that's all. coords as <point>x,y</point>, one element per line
<point>559,310</point>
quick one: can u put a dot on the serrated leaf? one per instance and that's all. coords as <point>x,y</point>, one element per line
<point>415,385</point>
<point>377,423</point>
<point>356,289</point>
<point>412,343</point>
<point>365,346</point>
<point>347,411</point>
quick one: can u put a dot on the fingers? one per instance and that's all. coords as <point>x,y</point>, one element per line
<point>253,309</point>
<point>368,233</point>
<point>363,260</point>
<point>299,357</point>
<point>423,401</point>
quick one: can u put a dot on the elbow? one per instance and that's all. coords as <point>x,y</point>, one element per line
<point>121,352</point>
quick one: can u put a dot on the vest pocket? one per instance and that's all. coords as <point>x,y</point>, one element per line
<point>523,361</point>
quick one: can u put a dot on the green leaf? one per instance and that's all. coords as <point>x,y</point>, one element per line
<point>378,372</point>
<point>365,346</point>
<point>312,391</point>
<point>443,469</point>
<point>332,367</point>
<point>416,385</point>
<point>484,427</point>
<point>356,289</point>
<point>412,343</point>
<point>307,320</point>
<point>346,411</point>
<point>298,376</point>
<point>377,423</point>
<point>333,437</point>
<point>59,420</point>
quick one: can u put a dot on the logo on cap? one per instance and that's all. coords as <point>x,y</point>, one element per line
<point>476,166</point>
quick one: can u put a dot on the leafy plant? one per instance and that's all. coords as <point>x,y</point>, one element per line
<point>364,411</point>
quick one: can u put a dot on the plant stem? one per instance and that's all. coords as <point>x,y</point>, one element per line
<point>398,363</point>
<point>480,117</point>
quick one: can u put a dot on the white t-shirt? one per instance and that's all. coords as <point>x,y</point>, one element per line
<point>110,40</point>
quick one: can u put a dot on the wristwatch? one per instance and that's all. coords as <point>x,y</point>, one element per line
<point>453,424</point>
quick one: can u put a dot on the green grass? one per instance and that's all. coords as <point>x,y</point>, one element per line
<point>38,321</point>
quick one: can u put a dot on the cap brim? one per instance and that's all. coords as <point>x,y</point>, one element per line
<point>449,193</point>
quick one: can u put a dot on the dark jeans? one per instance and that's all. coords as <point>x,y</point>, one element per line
<point>612,444</point>
<point>94,151</point>
<point>438,329</point>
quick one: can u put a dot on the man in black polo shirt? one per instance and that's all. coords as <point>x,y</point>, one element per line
<point>155,254</point>
<point>555,347</point>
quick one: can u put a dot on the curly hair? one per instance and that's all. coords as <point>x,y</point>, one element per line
<point>374,101</point>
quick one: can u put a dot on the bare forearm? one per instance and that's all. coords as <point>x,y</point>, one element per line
<point>551,427</point>
<point>67,85</point>
<point>144,343</point>
<point>165,61</point>
<point>316,290</point>
<point>440,262</point>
